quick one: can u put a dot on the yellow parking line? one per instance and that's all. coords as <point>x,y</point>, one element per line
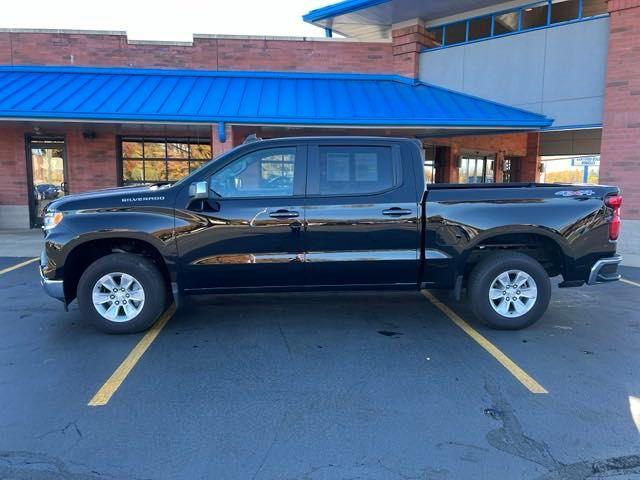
<point>20,265</point>
<point>635,284</point>
<point>110,387</point>
<point>495,352</point>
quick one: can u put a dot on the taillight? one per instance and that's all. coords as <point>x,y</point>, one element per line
<point>614,202</point>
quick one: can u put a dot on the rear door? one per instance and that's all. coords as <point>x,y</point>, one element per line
<point>362,216</point>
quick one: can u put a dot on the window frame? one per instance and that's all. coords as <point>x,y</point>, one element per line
<point>313,169</point>
<point>299,172</point>
<point>188,140</point>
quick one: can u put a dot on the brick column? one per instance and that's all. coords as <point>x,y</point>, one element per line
<point>217,146</point>
<point>408,41</point>
<point>620,151</point>
<point>498,167</point>
<point>450,164</point>
<point>91,162</point>
<point>530,163</point>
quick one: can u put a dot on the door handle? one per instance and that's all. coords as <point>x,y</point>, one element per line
<point>284,214</point>
<point>396,212</point>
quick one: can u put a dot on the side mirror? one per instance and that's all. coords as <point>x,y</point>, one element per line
<point>199,190</point>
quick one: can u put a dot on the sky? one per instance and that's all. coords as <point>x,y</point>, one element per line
<point>173,20</point>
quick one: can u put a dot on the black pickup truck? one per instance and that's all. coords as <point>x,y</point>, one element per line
<point>326,213</point>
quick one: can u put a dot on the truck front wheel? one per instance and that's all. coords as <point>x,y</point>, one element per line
<point>122,293</point>
<point>509,291</point>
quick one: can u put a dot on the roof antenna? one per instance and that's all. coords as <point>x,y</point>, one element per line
<point>251,138</point>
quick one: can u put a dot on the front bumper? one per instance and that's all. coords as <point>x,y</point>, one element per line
<point>53,288</point>
<point>605,270</point>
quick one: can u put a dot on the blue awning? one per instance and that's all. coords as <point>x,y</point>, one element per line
<point>264,98</point>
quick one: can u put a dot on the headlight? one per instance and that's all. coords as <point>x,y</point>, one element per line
<point>51,219</point>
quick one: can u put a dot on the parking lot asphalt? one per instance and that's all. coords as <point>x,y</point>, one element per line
<point>321,386</point>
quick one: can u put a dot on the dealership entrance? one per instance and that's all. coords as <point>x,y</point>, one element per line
<point>46,170</point>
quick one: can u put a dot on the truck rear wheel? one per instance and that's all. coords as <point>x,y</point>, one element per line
<point>122,293</point>
<point>509,291</point>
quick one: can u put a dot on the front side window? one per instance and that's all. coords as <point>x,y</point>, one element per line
<point>264,173</point>
<point>356,170</point>
<point>150,160</point>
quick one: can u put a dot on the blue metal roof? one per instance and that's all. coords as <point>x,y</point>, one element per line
<point>118,94</point>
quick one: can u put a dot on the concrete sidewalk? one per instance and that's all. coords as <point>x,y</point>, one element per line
<point>29,243</point>
<point>21,243</point>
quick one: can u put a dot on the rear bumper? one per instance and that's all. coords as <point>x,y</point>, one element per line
<point>605,270</point>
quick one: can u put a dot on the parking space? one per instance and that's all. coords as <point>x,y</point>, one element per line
<point>321,386</point>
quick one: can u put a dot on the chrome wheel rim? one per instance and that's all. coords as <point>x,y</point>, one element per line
<point>118,297</point>
<point>513,293</point>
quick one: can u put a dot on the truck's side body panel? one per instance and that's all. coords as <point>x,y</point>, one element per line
<point>459,220</point>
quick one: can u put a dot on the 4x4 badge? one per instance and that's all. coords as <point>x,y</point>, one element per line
<point>575,193</point>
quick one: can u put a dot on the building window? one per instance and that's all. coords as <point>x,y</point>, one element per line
<point>149,160</point>
<point>455,33</point>
<point>509,170</point>
<point>479,28</point>
<point>578,169</point>
<point>476,168</point>
<point>564,10</point>
<point>506,23</point>
<point>436,35</point>
<point>534,16</point>
<point>591,8</point>
<point>540,14</point>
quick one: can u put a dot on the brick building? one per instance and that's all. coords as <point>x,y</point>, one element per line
<point>575,64</point>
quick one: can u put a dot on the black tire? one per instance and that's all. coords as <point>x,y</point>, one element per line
<point>147,275</point>
<point>482,278</point>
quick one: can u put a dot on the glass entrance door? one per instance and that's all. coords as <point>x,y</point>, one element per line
<point>47,174</point>
<point>476,168</point>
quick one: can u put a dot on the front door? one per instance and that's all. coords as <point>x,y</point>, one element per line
<point>362,216</point>
<point>250,231</point>
<point>47,175</point>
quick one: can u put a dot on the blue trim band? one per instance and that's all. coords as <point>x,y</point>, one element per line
<point>365,122</point>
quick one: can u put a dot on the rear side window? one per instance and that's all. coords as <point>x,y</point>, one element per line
<point>354,170</point>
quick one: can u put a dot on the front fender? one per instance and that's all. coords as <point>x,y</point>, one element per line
<point>151,225</point>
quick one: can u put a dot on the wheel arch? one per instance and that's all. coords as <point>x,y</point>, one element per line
<point>86,251</point>
<point>544,245</point>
